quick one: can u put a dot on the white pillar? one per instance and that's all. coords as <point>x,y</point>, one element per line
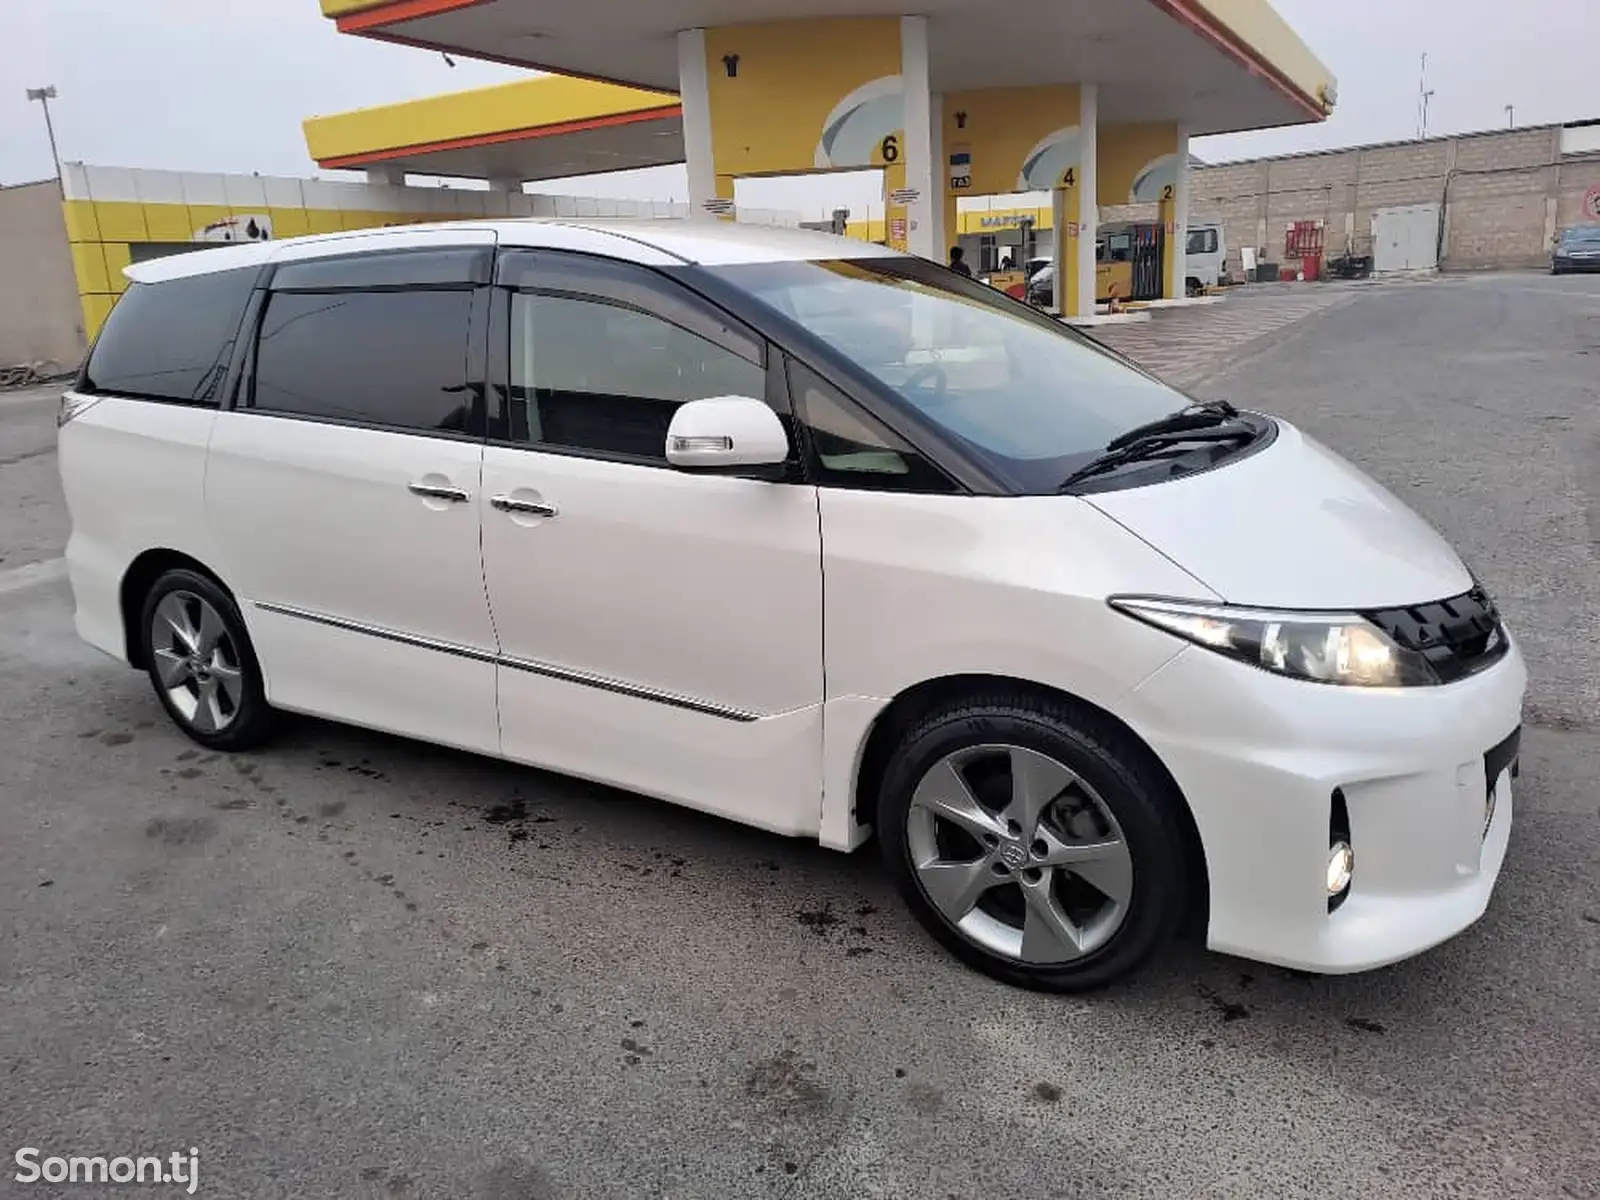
<point>921,176</point>
<point>695,96</point>
<point>505,183</point>
<point>1088,196</point>
<point>940,236</point>
<point>390,176</point>
<point>1180,215</point>
<point>1060,249</point>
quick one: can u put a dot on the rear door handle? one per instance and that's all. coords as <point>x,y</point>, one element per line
<point>440,491</point>
<point>511,504</point>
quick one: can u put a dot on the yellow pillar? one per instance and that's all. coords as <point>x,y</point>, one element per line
<point>795,97</point>
<point>1069,298</point>
<point>1172,283</point>
<point>1147,163</point>
<point>1004,140</point>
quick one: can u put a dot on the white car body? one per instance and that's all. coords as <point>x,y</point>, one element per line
<point>729,643</point>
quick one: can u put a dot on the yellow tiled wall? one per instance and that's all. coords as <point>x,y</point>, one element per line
<point>102,236</point>
<point>111,210</point>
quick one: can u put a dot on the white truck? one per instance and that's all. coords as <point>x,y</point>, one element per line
<point>1207,250</point>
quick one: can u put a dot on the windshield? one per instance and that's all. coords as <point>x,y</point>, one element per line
<point>1024,393</point>
<point>1584,234</point>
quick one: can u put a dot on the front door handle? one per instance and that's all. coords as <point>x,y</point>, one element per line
<point>511,504</point>
<point>440,491</point>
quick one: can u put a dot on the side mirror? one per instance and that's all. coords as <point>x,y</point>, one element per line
<point>726,433</point>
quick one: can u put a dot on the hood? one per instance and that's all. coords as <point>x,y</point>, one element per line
<point>1292,526</point>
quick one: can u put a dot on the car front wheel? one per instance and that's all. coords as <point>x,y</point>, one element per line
<point>202,664</point>
<point>1035,841</point>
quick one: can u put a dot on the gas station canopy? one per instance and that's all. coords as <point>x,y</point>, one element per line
<point>547,127</point>
<point>1092,101</point>
<point>1216,66</point>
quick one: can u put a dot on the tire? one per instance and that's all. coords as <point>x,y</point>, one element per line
<point>201,663</point>
<point>1089,787</point>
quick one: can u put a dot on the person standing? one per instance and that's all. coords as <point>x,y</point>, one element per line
<point>958,262</point>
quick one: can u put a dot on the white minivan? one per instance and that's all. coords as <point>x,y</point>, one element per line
<point>814,536</point>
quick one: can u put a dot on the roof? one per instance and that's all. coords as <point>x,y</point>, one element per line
<point>1215,65</point>
<point>543,128</point>
<point>652,241</point>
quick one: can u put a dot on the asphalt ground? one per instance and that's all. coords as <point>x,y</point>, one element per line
<point>352,965</point>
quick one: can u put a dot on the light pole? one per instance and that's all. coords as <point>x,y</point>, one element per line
<point>1511,116</point>
<point>44,95</point>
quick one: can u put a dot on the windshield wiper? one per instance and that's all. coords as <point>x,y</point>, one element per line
<point>1196,416</point>
<point>1154,441</point>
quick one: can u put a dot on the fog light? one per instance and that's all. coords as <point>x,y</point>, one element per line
<point>1341,862</point>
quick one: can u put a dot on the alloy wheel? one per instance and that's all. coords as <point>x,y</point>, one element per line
<point>1019,854</point>
<point>196,661</point>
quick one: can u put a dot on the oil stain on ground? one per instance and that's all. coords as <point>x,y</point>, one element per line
<point>788,1084</point>
<point>180,831</point>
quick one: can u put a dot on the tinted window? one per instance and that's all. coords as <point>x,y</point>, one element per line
<point>382,358</point>
<point>171,340</point>
<point>849,448</point>
<point>595,375</point>
<point>1202,241</point>
<point>1025,393</point>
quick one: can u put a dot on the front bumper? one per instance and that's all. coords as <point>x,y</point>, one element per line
<point>1258,757</point>
<point>1564,266</point>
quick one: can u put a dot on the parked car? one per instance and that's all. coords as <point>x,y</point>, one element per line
<point>1042,286</point>
<point>1576,249</point>
<point>814,536</point>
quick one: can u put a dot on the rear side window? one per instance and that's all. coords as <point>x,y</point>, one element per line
<point>172,340</point>
<point>395,358</point>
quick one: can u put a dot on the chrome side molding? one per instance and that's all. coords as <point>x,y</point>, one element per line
<point>548,670</point>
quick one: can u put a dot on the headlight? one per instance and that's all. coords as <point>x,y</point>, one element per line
<point>1342,648</point>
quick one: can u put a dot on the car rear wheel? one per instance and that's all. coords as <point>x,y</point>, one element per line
<point>1035,841</point>
<point>201,663</point>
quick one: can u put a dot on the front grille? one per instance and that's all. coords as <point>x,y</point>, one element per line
<point>1458,636</point>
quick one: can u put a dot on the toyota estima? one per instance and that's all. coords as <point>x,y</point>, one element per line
<point>817,537</point>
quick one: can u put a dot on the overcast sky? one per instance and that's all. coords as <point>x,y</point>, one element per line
<point>221,85</point>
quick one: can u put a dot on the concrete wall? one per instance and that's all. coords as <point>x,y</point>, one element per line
<point>1508,191</point>
<point>40,320</point>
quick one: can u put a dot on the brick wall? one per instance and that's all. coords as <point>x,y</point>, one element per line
<point>1505,195</point>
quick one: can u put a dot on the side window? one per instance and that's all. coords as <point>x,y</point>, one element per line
<point>390,358</point>
<point>850,449</point>
<point>172,340</point>
<point>603,374</point>
<point>1202,241</point>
